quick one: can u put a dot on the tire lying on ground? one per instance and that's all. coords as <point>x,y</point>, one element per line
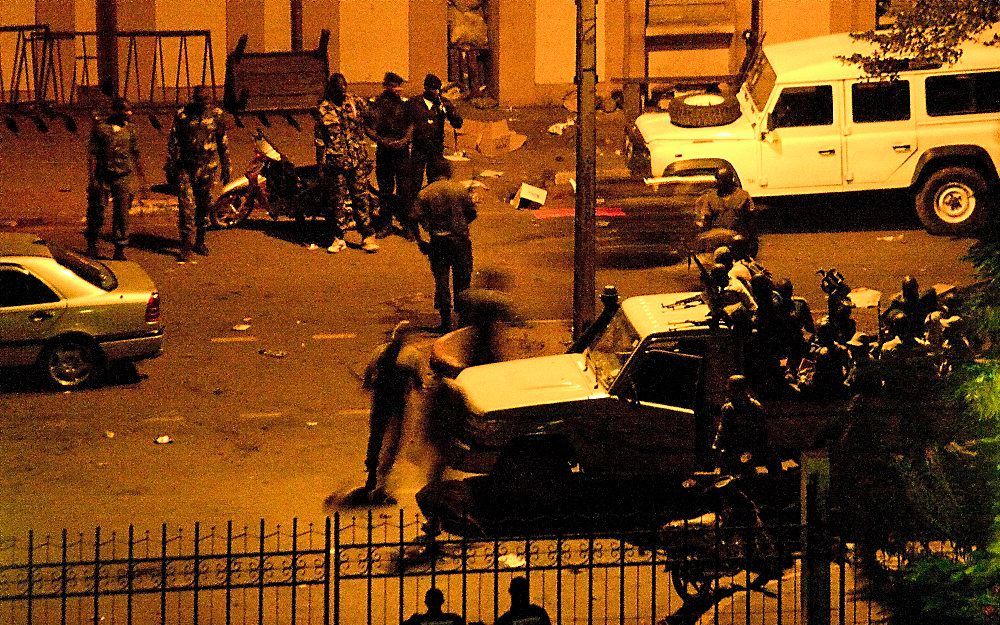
<point>702,110</point>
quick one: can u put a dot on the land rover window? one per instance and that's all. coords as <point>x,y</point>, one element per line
<point>963,94</point>
<point>19,288</point>
<point>612,349</point>
<point>887,101</point>
<point>803,106</point>
<point>761,81</point>
<point>668,378</point>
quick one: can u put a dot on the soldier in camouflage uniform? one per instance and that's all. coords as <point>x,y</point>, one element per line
<point>342,153</point>
<point>197,147</point>
<point>113,159</point>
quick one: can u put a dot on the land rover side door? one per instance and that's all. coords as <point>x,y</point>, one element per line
<point>802,144</point>
<point>880,133</point>
<point>658,394</point>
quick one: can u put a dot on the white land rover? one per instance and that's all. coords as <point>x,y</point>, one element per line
<point>805,122</point>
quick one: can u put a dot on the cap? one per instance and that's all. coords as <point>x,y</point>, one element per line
<point>392,79</point>
<point>432,82</point>
<point>519,585</point>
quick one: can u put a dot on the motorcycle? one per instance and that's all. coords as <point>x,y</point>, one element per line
<point>273,183</point>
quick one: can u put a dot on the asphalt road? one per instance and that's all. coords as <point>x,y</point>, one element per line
<point>257,436</point>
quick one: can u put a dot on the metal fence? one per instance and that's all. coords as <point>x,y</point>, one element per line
<point>374,569</point>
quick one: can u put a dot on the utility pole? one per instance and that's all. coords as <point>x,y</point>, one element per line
<point>584,245</point>
<point>107,46</point>
<point>296,23</point>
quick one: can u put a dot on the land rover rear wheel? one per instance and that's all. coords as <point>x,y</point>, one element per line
<point>952,201</point>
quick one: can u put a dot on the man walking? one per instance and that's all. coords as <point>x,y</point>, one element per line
<point>425,120</point>
<point>445,210</point>
<point>112,162</point>
<point>345,165</point>
<point>196,149</point>
<point>388,124</point>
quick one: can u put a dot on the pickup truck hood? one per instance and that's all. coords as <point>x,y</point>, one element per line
<point>526,382</point>
<point>657,127</point>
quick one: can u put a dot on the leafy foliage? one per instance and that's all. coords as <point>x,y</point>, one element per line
<point>931,32</point>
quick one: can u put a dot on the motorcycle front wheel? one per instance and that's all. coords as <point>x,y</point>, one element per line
<point>232,208</point>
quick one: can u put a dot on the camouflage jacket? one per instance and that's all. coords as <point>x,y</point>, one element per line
<point>340,132</point>
<point>198,143</point>
<point>114,149</point>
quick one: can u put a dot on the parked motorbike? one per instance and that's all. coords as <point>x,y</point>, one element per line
<point>272,183</point>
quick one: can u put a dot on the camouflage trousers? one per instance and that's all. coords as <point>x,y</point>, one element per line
<point>343,183</point>
<point>194,200</point>
<point>119,191</point>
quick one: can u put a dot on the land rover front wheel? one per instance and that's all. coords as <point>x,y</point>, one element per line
<point>952,201</point>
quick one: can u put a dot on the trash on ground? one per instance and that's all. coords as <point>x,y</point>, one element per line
<point>489,138</point>
<point>163,440</point>
<point>529,196</point>
<point>457,157</point>
<point>454,93</point>
<point>569,101</point>
<point>473,184</point>
<point>241,327</point>
<point>312,424</point>
<point>559,128</point>
<point>312,246</point>
<point>863,297</point>
<point>483,102</point>
<point>109,434</point>
<point>273,353</point>
<point>891,239</point>
<point>490,173</point>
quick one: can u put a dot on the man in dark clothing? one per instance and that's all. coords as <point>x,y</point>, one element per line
<point>196,149</point>
<point>434,599</point>
<point>445,210</point>
<point>741,435</point>
<point>724,211</point>
<point>522,611</point>
<point>913,304</point>
<point>387,122</point>
<point>425,116</point>
<point>112,161</point>
<point>393,370</point>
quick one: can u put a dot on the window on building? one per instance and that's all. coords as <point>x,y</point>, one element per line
<point>880,101</point>
<point>803,106</point>
<point>18,288</point>
<point>963,94</point>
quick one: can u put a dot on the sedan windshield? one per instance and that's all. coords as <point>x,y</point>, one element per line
<point>612,348</point>
<point>92,271</point>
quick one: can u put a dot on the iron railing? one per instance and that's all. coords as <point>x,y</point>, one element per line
<point>374,569</point>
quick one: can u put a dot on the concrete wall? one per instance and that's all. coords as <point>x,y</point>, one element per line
<point>374,38</point>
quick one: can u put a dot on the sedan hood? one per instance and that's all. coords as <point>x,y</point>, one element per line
<point>657,127</point>
<point>527,382</point>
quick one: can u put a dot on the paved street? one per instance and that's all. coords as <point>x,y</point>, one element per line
<point>259,436</point>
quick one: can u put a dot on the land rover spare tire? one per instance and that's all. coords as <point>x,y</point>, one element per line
<point>952,201</point>
<point>703,110</point>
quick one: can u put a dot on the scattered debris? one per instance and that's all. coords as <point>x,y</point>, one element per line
<point>559,128</point>
<point>891,239</point>
<point>529,196</point>
<point>163,440</point>
<point>312,246</point>
<point>490,173</point>
<point>273,353</point>
<point>241,327</point>
<point>312,424</point>
<point>489,138</point>
<point>109,434</point>
<point>863,297</point>
<point>484,102</point>
<point>217,391</point>
<point>457,157</point>
<point>474,184</point>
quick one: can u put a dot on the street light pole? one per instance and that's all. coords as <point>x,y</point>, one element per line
<point>585,248</point>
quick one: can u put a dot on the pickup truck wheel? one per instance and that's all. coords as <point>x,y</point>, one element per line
<point>704,110</point>
<point>231,208</point>
<point>952,201</point>
<point>71,363</point>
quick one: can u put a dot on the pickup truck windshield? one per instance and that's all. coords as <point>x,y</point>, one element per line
<point>760,81</point>
<point>612,348</point>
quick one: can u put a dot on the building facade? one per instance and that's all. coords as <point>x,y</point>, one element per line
<point>531,55</point>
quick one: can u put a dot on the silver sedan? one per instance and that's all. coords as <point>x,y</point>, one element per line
<point>70,316</point>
